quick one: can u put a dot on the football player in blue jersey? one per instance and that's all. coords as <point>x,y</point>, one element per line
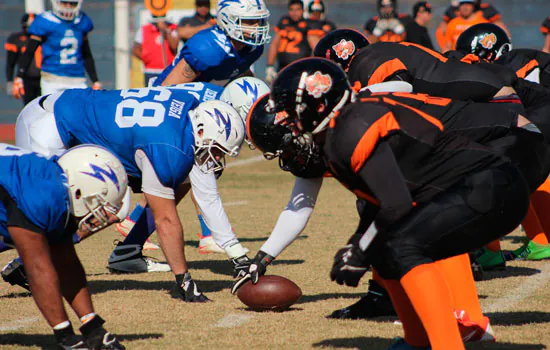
<point>159,134</point>
<point>225,51</point>
<point>43,202</point>
<point>66,53</point>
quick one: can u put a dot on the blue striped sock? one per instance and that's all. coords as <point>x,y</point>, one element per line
<point>205,230</point>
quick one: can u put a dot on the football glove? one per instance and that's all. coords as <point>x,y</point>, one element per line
<point>18,89</point>
<point>97,337</point>
<point>240,266</point>
<point>9,88</point>
<point>14,273</point>
<point>270,74</point>
<point>188,290</point>
<point>97,86</point>
<point>349,266</point>
<point>251,270</point>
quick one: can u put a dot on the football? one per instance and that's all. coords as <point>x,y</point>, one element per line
<point>272,292</point>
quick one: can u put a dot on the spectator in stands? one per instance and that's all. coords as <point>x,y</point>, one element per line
<point>467,17</point>
<point>202,19</point>
<point>416,30</point>
<point>15,46</point>
<point>487,11</point>
<point>545,30</point>
<point>293,39</point>
<point>156,45</point>
<point>388,26</point>
<point>317,20</point>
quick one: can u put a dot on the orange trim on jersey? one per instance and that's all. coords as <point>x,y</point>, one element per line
<point>470,58</point>
<point>38,57</point>
<point>427,99</point>
<point>431,52</point>
<point>525,70</point>
<point>10,47</point>
<point>366,145</point>
<point>544,30</point>
<point>317,32</point>
<point>424,115</point>
<point>365,196</point>
<point>385,70</point>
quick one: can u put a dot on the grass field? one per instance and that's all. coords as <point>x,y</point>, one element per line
<point>139,309</point>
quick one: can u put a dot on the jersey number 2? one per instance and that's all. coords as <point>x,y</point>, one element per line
<point>68,53</point>
<point>130,111</point>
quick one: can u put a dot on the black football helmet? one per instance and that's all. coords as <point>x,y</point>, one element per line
<point>316,5</point>
<point>309,92</point>
<point>301,158</point>
<point>485,40</point>
<point>340,46</point>
<point>387,3</point>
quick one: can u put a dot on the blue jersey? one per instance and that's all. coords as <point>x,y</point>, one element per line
<point>39,188</point>
<point>154,120</point>
<point>210,53</point>
<point>62,43</point>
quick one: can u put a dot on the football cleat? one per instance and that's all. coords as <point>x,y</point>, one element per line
<point>401,345</point>
<point>489,260</point>
<point>207,245</point>
<point>532,251</point>
<point>472,331</point>
<point>124,227</point>
<point>14,273</point>
<point>129,259</point>
<point>189,292</point>
<point>376,303</point>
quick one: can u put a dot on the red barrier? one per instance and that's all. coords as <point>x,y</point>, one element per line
<point>7,132</point>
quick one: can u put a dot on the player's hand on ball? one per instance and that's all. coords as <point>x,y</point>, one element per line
<point>97,337</point>
<point>251,270</point>
<point>349,266</point>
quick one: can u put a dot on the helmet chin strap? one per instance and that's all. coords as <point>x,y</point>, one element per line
<point>323,125</point>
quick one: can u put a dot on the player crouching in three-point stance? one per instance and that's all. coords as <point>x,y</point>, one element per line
<point>43,202</point>
<point>432,194</point>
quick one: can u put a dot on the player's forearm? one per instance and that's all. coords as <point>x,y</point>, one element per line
<point>272,52</point>
<point>89,63</point>
<point>26,58</point>
<point>170,235</point>
<point>173,41</point>
<point>136,51</point>
<point>72,278</point>
<point>11,61</point>
<point>546,47</point>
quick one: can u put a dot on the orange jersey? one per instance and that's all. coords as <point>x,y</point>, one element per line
<point>458,25</point>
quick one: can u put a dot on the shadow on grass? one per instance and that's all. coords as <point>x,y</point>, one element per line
<point>518,318</point>
<point>17,295</point>
<point>46,341</point>
<point>515,239</point>
<point>101,286</point>
<point>327,296</point>
<point>374,343</point>
<point>511,271</point>
<point>225,267</point>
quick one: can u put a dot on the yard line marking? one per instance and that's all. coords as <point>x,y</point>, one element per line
<point>522,292</point>
<point>234,204</point>
<point>232,320</point>
<point>18,324</point>
<point>243,162</point>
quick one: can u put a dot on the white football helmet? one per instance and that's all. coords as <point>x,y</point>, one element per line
<point>219,131</point>
<point>97,181</point>
<point>66,9</point>
<point>241,93</point>
<point>236,18</point>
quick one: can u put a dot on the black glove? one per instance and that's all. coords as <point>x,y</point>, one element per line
<point>240,266</point>
<point>14,273</point>
<point>252,271</point>
<point>188,290</point>
<point>97,337</point>
<point>349,266</point>
<point>66,339</point>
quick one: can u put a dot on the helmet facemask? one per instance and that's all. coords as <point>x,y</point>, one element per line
<point>98,207</point>
<point>67,13</point>
<point>250,30</point>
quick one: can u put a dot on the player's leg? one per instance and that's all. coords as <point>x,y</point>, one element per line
<point>206,242</point>
<point>481,208</point>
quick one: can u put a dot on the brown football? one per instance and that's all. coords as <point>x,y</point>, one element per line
<point>270,293</point>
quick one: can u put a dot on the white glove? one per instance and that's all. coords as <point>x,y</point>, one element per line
<point>395,26</point>
<point>270,74</point>
<point>9,88</point>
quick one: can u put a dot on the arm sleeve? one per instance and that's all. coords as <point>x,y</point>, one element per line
<point>205,190</point>
<point>89,62</point>
<point>491,14</point>
<point>150,181</point>
<point>545,27</point>
<point>382,175</point>
<point>295,216</point>
<point>26,59</point>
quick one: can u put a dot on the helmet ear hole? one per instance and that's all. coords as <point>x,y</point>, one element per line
<point>78,194</point>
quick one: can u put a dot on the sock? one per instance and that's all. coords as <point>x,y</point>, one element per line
<point>532,226</point>
<point>140,232</point>
<point>136,213</point>
<point>151,227</point>
<point>415,334</point>
<point>541,204</point>
<point>205,231</point>
<point>494,246</point>
<point>460,280</point>
<point>427,290</point>
<point>181,278</point>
